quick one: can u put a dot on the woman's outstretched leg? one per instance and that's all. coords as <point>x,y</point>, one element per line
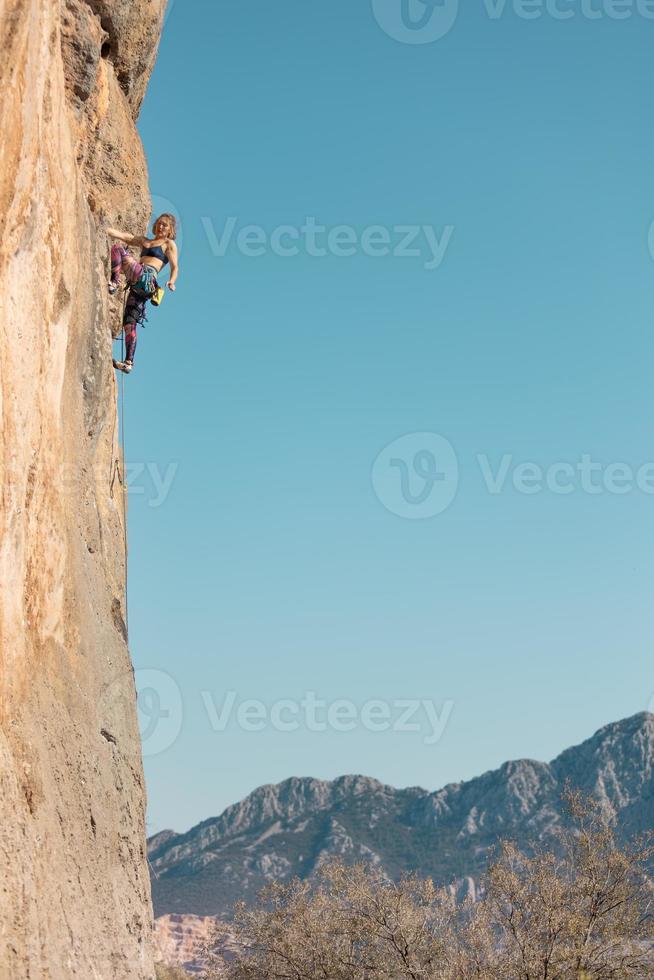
<point>123,261</point>
<point>130,342</point>
<point>134,314</point>
<point>130,349</point>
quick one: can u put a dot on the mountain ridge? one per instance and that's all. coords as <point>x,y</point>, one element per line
<point>290,828</point>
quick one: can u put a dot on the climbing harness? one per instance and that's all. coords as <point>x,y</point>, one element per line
<point>146,286</point>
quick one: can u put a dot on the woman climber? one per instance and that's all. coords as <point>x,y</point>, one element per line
<point>141,276</point>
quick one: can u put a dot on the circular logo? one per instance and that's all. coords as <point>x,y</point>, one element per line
<point>416,476</point>
<point>416,21</point>
<point>650,239</point>
<point>160,710</point>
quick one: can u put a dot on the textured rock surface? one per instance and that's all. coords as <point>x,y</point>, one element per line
<point>179,940</point>
<point>74,899</point>
<point>290,829</point>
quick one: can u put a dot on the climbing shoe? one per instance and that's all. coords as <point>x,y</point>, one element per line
<point>124,366</point>
<point>112,287</point>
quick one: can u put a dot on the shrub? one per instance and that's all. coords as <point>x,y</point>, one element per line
<point>581,910</point>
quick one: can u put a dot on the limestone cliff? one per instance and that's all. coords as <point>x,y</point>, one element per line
<point>74,898</point>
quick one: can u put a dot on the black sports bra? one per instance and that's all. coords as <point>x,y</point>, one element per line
<point>156,252</point>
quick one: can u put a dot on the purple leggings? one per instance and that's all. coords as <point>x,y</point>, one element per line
<point>123,261</point>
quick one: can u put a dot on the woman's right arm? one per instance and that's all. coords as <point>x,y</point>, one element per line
<point>124,236</point>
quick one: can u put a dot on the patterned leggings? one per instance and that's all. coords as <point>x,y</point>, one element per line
<point>123,261</point>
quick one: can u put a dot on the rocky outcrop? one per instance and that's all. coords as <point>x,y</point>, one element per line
<point>291,829</point>
<point>75,900</point>
<point>180,941</point>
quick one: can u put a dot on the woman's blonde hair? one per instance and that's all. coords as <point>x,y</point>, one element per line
<point>172,224</point>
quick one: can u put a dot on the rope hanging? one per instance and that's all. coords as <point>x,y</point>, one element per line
<point>122,442</point>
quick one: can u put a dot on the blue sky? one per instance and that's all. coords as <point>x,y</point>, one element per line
<point>280,558</point>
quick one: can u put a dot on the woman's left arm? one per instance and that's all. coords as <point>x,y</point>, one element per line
<point>125,236</point>
<point>171,253</point>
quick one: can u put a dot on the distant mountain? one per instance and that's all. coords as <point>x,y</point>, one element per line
<point>281,831</point>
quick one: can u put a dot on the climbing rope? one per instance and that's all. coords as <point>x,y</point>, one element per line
<point>122,442</point>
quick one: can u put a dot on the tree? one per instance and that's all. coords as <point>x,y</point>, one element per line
<point>581,910</point>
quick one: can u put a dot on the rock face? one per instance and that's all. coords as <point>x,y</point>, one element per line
<point>291,829</point>
<point>75,900</point>
<point>179,941</point>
